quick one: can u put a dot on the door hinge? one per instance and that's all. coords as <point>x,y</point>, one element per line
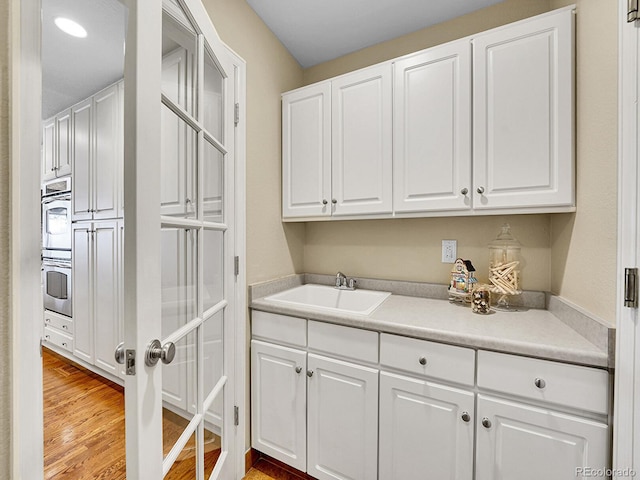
<point>632,10</point>
<point>631,287</point>
<point>236,265</point>
<point>236,415</point>
<point>236,113</point>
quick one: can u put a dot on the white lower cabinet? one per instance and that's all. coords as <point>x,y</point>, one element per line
<point>519,441</point>
<point>425,427</point>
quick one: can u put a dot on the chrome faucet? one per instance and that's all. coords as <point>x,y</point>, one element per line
<point>345,283</point>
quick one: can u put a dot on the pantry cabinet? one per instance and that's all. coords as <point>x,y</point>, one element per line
<point>523,114</point>
<point>432,129</point>
<point>56,146</point>
<point>96,292</point>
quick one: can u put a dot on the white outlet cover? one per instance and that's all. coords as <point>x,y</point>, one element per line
<point>449,251</point>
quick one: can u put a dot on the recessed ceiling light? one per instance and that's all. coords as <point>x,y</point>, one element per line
<point>69,26</point>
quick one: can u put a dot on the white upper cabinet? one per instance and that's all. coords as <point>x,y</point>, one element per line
<point>56,146</point>
<point>306,152</point>
<point>82,115</point>
<point>523,114</point>
<point>361,142</point>
<point>48,149</point>
<point>432,129</point>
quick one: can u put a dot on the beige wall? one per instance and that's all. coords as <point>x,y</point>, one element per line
<point>273,249</point>
<point>584,244</point>
<point>573,255</point>
<point>5,330</point>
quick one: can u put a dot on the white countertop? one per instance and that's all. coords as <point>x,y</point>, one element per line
<point>532,332</point>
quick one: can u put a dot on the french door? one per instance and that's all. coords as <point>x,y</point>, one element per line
<point>179,245</point>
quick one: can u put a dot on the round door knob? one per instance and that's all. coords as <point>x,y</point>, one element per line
<point>324,202</point>
<point>156,351</point>
<point>422,360</point>
<point>309,373</point>
<point>540,383</point>
<point>464,191</point>
<point>119,353</point>
<point>298,369</point>
<point>486,423</point>
<point>480,190</point>
<point>466,417</point>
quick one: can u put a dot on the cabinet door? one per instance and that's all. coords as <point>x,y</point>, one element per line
<point>81,178</point>
<point>523,114</point>
<point>530,443</point>
<point>48,149</point>
<point>63,144</point>
<point>342,420</point>
<point>278,402</point>
<point>306,152</point>
<point>107,153</point>
<point>432,130</point>
<point>106,317</point>
<point>82,287</point>
<point>361,142</point>
<point>120,158</point>
<point>423,428</point>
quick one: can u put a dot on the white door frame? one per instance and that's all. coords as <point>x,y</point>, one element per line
<point>626,434</point>
<point>26,315</point>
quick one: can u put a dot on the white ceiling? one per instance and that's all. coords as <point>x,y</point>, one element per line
<point>75,68</point>
<point>316,31</point>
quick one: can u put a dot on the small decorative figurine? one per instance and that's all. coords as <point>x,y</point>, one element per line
<point>462,280</point>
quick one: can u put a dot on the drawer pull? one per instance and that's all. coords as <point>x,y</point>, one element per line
<point>486,423</point>
<point>64,344</point>
<point>47,337</point>
<point>309,373</point>
<point>47,320</point>
<point>466,417</point>
<point>298,369</point>
<point>65,327</point>
<point>540,383</point>
<point>423,360</point>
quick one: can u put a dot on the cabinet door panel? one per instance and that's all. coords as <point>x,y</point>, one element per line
<point>306,152</point>
<point>63,144</point>
<point>278,403</point>
<point>82,286</point>
<point>106,153</point>
<point>422,430</point>
<point>48,149</point>
<point>432,129</point>
<point>342,420</point>
<point>361,136</point>
<point>523,120</point>
<point>82,144</point>
<point>530,443</point>
<point>106,297</point>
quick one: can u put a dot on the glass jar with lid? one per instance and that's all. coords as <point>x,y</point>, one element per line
<point>504,266</point>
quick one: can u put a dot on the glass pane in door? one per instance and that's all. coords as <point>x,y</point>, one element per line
<point>213,183</point>
<point>213,443</point>
<point>179,278</point>
<point>213,101</point>
<point>185,466</point>
<point>213,271</point>
<point>179,68</point>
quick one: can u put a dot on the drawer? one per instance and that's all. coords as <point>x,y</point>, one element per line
<point>56,337</point>
<point>430,359</point>
<point>60,322</point>
<point>279,328</point>
<point>344,341</point>
<point>560,383</point>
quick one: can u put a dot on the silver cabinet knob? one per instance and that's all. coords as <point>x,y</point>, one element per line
<point>540,383</point>
<point>309,373</point>
<point>334,201</point>
<point>466,417</point>
<point>486,423</point>
<point>298,369</point>
<point>64,327</point>
<point>119,353</point>
<point>324,201</point>
<point>422,360</point>
<point>156,351</point>
<point>47,320</point>
<point>464,191</point>
<point>480,190</point>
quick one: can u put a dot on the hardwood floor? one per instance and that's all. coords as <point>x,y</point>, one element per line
<point>84,430</point>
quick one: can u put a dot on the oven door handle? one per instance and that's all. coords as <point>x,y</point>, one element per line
<point>56,264</point>
<point>54,198</point>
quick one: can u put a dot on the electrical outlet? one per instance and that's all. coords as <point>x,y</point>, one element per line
<point>449,250</point>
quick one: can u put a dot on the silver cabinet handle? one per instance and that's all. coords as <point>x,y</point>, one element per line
<point>64,344</point>
<point>47,320</point>
<point>156,351</point>
<point>486,423</point>
<point>119,353</point>
<point>464,191</point>
<point>334,201</point>
<point>540,383</point>
<point>480,190</point>
<point>64,327</point>
<point>298,369</point>
<point>309,373</point>
<point>324,201</point>
<point>422,360</point>
<point>466,417</point>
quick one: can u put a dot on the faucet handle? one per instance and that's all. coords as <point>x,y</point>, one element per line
<point>352,283</point>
